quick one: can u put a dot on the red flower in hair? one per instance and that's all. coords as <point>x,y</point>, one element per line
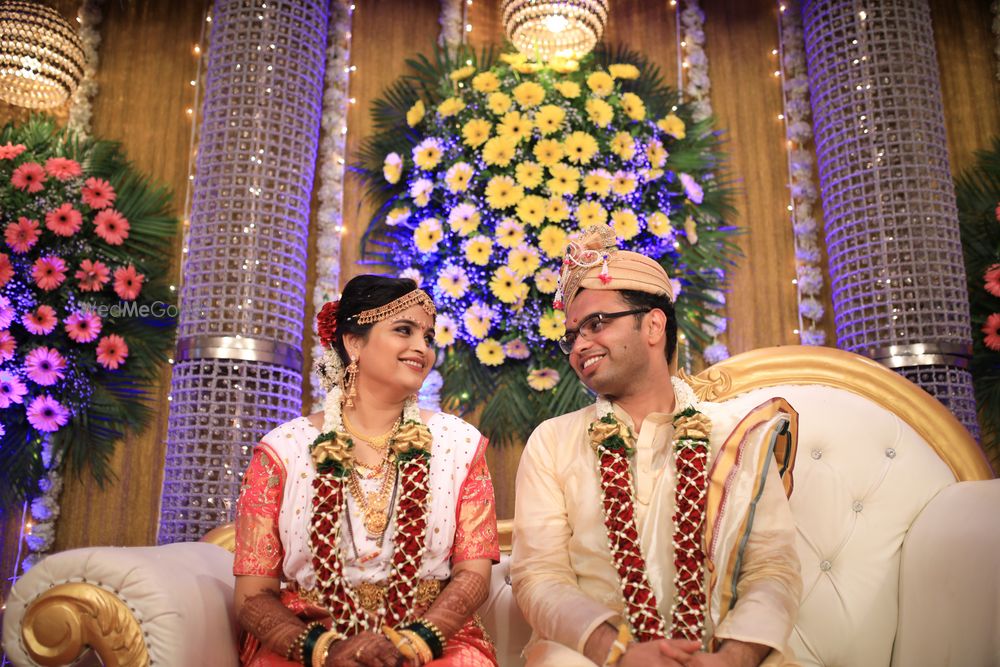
<point>326,323</point>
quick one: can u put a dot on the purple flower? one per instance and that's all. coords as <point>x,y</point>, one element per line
<point>12,389</point>
<point>6,313</point>
<point>692,189</point>
<point>44,366</point>
<point>47,414</point>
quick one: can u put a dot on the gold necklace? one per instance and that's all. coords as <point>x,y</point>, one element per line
<point>378,443</point>
<point>374,506</point>
<point>371,471</point>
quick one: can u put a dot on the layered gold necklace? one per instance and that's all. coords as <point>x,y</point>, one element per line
<point>374,506</point>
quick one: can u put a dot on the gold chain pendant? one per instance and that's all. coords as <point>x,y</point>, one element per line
<point>374,506</point>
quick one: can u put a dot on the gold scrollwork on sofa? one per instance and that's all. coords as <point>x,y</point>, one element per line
<point>62,622</point>
<point>708,385</point>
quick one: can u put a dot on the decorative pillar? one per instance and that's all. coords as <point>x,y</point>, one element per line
<point>892,236</point>
<point>238,369</point>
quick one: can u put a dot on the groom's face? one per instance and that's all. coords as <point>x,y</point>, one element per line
<point>608,360</point>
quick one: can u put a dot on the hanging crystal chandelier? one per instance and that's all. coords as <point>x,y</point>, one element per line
<point>41,55</point>
<point>544,29</point>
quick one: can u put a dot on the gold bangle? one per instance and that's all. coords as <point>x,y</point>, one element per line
<point>402,644</point>
<point>423,650</point>
<point>619,646</point>
<point>296,648</point>
<point>322,648</point>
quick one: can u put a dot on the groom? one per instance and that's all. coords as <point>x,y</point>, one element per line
<point>650,528</point>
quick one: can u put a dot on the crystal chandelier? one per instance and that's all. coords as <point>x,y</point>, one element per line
<point>41,55</point>
<point>543,29</point>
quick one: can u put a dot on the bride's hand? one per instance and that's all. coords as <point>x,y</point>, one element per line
<point>366,649</point>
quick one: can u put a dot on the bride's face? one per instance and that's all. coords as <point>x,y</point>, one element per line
<point>398,353</point>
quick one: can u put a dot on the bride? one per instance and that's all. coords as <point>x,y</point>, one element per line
<point>378,517</point>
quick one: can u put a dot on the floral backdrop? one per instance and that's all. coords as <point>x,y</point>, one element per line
<point>86,314</point>
<point>482,168</point>
<point>978,192</point>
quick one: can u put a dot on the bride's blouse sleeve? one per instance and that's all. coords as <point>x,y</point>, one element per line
<point>476,530</point>
<point>258,542</point>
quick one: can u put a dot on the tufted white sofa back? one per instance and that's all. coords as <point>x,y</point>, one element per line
<point>862,476</point>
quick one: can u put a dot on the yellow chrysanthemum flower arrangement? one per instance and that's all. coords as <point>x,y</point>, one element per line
<point>483,171</point>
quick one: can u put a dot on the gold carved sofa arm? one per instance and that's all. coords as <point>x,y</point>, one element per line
<point>134,606</point>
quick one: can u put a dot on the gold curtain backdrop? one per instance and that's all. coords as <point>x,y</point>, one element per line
<point>144,76</point>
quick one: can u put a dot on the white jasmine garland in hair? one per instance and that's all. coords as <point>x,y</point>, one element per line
<point>328,369</point>
<point>330,181</point>
<point>333,419</point>
<point>801,184</point>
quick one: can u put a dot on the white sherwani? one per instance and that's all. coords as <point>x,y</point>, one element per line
<point>562,571</point>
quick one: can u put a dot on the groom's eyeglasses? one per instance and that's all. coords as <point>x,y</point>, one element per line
<point>592,325</point>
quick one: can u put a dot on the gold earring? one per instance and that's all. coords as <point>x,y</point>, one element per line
<point>351,381</point>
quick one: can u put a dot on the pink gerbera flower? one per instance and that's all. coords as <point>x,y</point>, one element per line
<point>128,282</point>
<point>47,414</point>
<point>12,390</point>
<point>10,151</point>
<point>92,276</point>
<point>992,279</point>
<point>49,272</point>
<point>83,327</point>
<point>62,168</point>
<point>41,322</point>
<point>98,193</point>
<point>64,221</point>
<point>21,235</point>
<point>992,331</point>
<point>6,312</point>
<point>6,270</point>
<point>44,366</point>
<point>29,176</point>
<point>7,346</point>
<point>112,351</point>
<point>111,226</point>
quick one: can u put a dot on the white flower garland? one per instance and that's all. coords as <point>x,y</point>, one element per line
<point>329,217</point>
<point>698,89</point>
<point>80,106</point>
<point>684,399</point>
<point>801,186</point>
<point>40,534</point>
<point>330,569</point>
<point>696,60</point>
<point>452,23</point>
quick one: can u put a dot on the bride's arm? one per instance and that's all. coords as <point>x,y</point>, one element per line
<point>465,593</point>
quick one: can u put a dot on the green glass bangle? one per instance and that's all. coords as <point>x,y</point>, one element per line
<point>314,633</point>
<point>428,635</point>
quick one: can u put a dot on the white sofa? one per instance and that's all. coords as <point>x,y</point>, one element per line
<point>899,544</point>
